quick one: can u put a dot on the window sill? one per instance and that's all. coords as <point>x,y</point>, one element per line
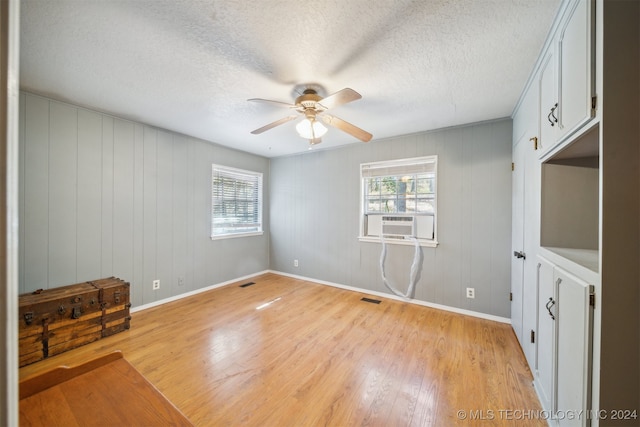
<point>423,243</point>
<point>234,235</point>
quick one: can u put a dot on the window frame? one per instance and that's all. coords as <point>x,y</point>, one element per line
<point>216,170</point>
<point>414,163</point>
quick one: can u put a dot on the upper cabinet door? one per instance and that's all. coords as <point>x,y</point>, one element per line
<point>575,68</point>
<point>548,114</point>
<point>567,78</point>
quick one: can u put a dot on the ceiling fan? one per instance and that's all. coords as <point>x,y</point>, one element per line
<point>313,107</point>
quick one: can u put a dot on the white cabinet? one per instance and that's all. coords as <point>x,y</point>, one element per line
<point>547,79</point>
<point>588,211</point>
<point>543,372</point>
<point>575,68</point>
<point>566,77</point>
<point>574,321</point>
<point>563,369</point>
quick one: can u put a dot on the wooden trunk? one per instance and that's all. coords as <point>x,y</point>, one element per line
<point>56,320</point>
<point>115,303</point>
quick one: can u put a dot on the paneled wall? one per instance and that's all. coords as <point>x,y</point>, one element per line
<point>102,196</point>
<point>315,209</point>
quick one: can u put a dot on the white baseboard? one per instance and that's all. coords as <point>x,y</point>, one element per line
<point>195,292</point>
<point>394,297</point>
<point>335,285</point>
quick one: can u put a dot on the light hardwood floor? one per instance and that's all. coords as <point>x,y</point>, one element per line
<point>319,356</point>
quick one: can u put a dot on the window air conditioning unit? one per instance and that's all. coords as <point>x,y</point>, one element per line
<point>398,227</point>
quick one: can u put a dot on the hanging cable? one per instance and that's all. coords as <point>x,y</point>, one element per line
<point>413,275</point>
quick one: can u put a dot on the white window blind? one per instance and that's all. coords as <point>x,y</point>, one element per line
<point>236,202</point>
<point>417,165</point>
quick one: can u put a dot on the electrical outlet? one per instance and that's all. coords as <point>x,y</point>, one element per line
<point>180,281</point>
<point>295,262</point>
<point>156,285</point>
<point>471,293</point>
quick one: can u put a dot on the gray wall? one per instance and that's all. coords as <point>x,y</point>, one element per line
<point>315,217</point>
<point>619,373</point>
<point>101,196</point>
<point>569,212</point>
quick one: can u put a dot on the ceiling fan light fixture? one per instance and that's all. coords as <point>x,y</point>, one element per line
<point>312,105</point>
<point>310,129</point>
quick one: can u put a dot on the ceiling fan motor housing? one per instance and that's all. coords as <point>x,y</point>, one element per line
<point>308,99</point>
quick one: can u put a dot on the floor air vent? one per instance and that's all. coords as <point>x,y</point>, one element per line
<point>371,300</point>
<point>247,284</point>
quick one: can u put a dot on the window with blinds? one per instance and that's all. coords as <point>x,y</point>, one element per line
<point>236,207</point>
<point>404,189</point>
<point>400,186</point>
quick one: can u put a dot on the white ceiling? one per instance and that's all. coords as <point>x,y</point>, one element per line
<point>190,65</point>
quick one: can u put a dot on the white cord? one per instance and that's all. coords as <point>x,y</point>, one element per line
<point>414,268</point>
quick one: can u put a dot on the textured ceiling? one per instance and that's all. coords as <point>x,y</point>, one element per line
<point>191,65</point>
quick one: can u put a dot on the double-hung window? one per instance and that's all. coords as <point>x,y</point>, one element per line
<point>399,200</point>
<point>236,207</point>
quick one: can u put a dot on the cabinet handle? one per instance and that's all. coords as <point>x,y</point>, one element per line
<point>552,117</point>
<point>548,306</point>
<point>519,254</point>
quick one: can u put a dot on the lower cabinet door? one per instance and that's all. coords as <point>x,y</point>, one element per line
<point>574,348</point>
<point>544,378</point>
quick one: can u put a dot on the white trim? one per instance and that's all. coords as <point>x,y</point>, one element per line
<point>195,292</point>
<point>335,285</point>
<point>390,296</point>
<point>234,235</point>
<point>10,28</point>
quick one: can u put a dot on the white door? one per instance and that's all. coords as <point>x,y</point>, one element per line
<point>531,246</point>
<point>517,236</point>
<point>574,342</point>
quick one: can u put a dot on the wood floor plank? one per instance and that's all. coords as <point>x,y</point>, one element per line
<point>51,401</point>
<point>318,355</point>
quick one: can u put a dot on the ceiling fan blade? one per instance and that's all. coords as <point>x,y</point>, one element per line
<point>347,127</point>
<point>339,98</point>
<point>274,124</point>
<point>277,103</point>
